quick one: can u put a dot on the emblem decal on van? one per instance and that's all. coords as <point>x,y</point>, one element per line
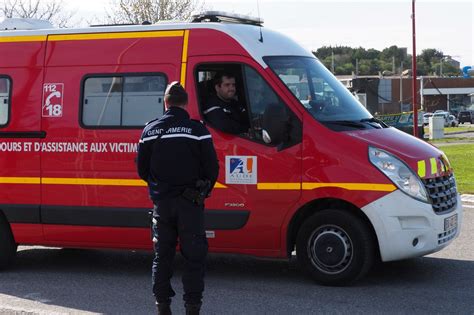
<point>53,100</point>
<point>241,170</point>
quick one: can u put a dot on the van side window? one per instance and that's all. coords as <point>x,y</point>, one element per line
<point>122,100</point>
<point>5,94</point>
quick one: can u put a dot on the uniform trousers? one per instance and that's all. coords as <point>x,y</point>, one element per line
<point>178,219</point>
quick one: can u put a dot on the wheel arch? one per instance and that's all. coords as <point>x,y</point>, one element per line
<point>4,220</point>
<point>314,206</point>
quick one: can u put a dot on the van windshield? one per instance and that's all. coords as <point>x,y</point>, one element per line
<point>321,93</point>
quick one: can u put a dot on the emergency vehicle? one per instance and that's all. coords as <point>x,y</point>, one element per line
<point>316,173</point>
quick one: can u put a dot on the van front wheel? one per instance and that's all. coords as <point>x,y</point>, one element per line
<point>335,247</point>
<point>8,246</point>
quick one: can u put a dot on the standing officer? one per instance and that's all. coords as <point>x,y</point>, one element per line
<point>177,159</point>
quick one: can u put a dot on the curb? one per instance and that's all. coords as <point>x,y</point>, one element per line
<point>467,199</point>
<point>458,132</point>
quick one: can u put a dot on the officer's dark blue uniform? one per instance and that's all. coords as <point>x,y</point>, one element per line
<point>173,154</point>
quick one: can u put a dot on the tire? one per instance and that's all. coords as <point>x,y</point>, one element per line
<point>335,247</point>
<point>8,246</point>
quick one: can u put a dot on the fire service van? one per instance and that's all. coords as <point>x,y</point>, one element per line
<point>315,173</point>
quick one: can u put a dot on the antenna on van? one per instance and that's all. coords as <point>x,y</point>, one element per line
<point>258,12</point>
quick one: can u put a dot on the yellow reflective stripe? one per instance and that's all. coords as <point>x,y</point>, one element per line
<point>219,185</point>
<point>446,161</point>
<point>15,39</point>
<point>94,36</point>
<point>92,181</point>
<point>140,183</point>
<point>184,58</point>
<point>351,186</point>
<point>434,167</point>
<point>310,186</point>
<point>80,181</point>
<point>183,75</point>
<point>20,180</point>
<point>278,186</point>
<point>444,168</point>
<point>421,168</point>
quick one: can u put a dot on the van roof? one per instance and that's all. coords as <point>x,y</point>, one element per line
<point>273,43</point>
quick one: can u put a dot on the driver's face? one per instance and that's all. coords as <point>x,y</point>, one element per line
<point>226,90</point>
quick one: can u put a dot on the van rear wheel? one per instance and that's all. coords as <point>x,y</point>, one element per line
<point>335,247</point>
<point>8,246</point>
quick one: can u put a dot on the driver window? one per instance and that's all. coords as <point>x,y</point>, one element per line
<point>222,101</point>
<point>249,110</point>
<point>267,111</point>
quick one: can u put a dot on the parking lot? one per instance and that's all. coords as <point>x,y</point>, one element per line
<point>68,281</point>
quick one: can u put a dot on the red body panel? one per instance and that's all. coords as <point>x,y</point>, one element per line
<point>22,63</point>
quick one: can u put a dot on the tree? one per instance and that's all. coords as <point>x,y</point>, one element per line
<point>431,55</point>
<point>139,11</point>
<point>52,11</point>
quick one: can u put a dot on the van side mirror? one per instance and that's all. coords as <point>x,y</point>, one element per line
<point>274,124</point>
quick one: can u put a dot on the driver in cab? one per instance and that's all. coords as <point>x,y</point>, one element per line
<point>223,111</point>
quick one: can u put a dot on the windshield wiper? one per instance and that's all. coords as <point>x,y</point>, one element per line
<point>349,123</point>
<point>374,120</point>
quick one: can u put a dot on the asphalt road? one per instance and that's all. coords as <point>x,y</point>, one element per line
<point>66,281</point>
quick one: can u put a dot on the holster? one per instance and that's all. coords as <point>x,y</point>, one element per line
<point>193,195</point>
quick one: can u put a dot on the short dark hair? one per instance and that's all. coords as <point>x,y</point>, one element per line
<point>219,75</point>
<point>175,94</point>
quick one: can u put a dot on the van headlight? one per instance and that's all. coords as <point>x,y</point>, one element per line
<point>399,173</point>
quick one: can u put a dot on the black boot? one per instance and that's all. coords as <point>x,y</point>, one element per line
<point>192,309</point>
<point>163,308</point>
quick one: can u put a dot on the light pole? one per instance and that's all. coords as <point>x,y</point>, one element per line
<point>401,87</point>
<point>413,66</point>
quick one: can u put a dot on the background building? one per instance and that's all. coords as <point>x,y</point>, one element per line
<point>390,95</point>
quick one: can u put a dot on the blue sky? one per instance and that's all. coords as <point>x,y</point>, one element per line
<point>444,25</point>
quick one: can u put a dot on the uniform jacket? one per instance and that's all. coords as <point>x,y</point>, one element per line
<point>173,153</point>
<point>229,117</point>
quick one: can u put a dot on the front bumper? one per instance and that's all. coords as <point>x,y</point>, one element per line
<point>408,228</point>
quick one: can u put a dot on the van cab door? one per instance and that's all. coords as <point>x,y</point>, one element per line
<point>258,182</point>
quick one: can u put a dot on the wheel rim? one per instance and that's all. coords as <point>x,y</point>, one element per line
<point>330,249</point>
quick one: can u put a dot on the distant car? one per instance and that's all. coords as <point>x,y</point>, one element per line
<point>452,121</point>
<point>426,118</point>
<point>466,116</point>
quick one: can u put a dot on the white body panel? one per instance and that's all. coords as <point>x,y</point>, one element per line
<point>398,219</point>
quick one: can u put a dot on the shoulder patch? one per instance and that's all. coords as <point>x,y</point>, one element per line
<point>202,122</point>
<point>149,122</point>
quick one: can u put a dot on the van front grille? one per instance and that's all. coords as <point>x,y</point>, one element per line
<point>442,192</point>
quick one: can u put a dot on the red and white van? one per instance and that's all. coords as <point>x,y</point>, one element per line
<point>316,172</point>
